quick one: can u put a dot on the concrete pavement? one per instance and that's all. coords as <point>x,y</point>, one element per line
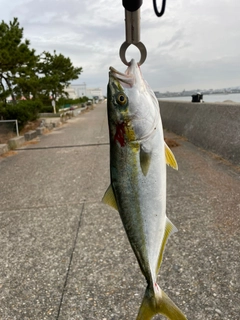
<point>64,255</point>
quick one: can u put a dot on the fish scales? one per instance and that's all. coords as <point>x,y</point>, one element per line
<point>138,157</point>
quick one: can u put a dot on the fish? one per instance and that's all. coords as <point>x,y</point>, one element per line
<point>138,158</point>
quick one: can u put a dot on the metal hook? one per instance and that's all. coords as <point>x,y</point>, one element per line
<point>141,48</point>
<point>132,27</point>
<point>159,13</point>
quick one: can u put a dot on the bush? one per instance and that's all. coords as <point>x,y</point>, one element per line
<point>48,109</point>
<point>2,111</point>
<point>23,111</point>
<point>63,101</point>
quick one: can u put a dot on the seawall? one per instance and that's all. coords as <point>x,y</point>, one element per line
<point>212,126</point>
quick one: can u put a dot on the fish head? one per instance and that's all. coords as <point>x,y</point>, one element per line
<point>119,119</point>
<point>132,106</point>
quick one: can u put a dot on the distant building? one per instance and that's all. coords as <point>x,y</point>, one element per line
<point>157,94</point>
<point>95,93</point>
<point>80,90</point>
<point>71,94</point>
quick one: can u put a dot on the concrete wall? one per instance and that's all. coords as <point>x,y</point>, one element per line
<point>212,126</point>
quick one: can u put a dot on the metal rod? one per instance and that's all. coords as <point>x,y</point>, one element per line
<point>132,30</point>
<point>8,120</point>
<point>17,128</point>
<point>132,22</point>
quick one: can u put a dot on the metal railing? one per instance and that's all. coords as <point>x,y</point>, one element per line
<point>12,121</point>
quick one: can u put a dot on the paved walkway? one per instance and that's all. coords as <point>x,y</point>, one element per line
<point>64,255</point>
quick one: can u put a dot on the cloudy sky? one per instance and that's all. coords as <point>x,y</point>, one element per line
<point>195,45</point>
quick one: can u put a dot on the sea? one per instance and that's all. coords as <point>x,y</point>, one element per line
<point>235,97</point>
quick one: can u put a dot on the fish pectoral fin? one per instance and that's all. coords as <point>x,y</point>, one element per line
<point>109,198</point>
<point>157,302</point>
<point>170,159</point>
<point>145,160</point>
<point>169,229</point>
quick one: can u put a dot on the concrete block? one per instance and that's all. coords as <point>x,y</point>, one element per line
<point>212,126</point>
<point>49,115</point>
<point>40,131</point>
<point>76,112</point>
<point>52,122</point>
<point>30,135</point>
<point>49,126</point>
<point>56,123</point>
<point>43,122</point>
<point>63,119</point>
<point>16,142</point>
<point>3,148</point>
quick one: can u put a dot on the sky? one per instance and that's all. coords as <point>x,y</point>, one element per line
<point>194,45</point>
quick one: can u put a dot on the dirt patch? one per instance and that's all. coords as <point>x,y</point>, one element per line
<point>171,143</point>
<point>34,141</point>
<point>33,125</point>
<point>8,154</point>
<point>5,136</point>
<point>47,131</point>
<point>7,130</point>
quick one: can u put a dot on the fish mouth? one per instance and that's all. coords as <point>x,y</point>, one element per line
<point>114,83</point>
<point>127,79</point>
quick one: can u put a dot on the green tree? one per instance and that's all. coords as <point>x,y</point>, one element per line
<point>56,73</point>
<point>28,86</point>
<point>23,73</point>
<point>17,60</point>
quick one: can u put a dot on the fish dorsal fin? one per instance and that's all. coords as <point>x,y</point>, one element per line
<point>109,198</point>
<point>145,160</point>
<point>170,159</point>
<point>169,229</point>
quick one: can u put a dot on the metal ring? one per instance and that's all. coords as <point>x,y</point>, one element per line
<point>141,47</point>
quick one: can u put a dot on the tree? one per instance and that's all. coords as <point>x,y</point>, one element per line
<point>16,58</point>
<point>57,71</point>
<point>23,73</point>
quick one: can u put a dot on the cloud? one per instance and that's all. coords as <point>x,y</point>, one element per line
<point>194,45</point>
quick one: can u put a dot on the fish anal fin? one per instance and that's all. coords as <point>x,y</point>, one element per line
<point>157,302</point>
<point>169,229</point>
<point>170,159</point>
<point>109,198</point>
<point>145,160</point>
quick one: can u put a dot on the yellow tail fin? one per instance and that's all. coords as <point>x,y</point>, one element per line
<point>158,302</point>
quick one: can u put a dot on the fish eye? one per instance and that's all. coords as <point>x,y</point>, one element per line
<point>121,98</point>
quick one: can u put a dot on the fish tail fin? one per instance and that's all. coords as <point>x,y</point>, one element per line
<point>157,302</point>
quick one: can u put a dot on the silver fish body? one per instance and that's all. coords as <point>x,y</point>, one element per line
<point>138,156</point>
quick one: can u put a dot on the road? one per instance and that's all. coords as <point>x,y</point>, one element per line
<point>64,254</point>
